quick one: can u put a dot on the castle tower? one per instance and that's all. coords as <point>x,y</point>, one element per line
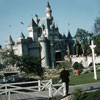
<point>48,11</point>
<point>70,44</point>
<point>44,52</point>
<point>10,43</point>
<point>32,28</point>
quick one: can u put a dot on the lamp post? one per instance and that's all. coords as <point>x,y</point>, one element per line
<point>92,46</point>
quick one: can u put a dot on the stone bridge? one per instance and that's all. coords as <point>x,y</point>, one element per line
<point>86,61</point>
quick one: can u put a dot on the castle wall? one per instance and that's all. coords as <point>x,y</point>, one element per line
<point>18,48</point>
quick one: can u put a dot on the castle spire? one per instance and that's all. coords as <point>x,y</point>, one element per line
<point>10,43</point>
<point>69,34</point>
<point>48,11</point>
<point>68,26</point>
<point>48,5</point>
<point>10,40</point>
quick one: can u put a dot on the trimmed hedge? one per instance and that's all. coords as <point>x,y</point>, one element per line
<point>78,66</point>
<point>91,96</point>
<point>79,95</point>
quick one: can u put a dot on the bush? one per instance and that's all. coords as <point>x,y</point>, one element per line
<point>66,64</point>
<point>77,94</point>
<point>91,96</point>
<point>78,66</point>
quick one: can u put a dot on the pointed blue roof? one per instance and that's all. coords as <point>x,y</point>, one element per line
<point>48,5</point>
<point>36,15</point>
<point>69,35</point>
<point>64,36</point>
<point>32,24</point>
<point>10,40</point>
<point>22,35</point>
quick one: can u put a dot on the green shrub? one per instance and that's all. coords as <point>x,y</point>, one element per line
<point>75,65</point>
<point>77,94</point>
<point>66,64</point>
<point>78,66</point>
<point>91,96</point>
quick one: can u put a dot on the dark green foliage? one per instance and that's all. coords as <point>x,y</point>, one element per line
<point>66,64</point>
<point>86,48</point>
<point>91,96</point>
<point>78,66</point>
<point>97,43</point>
<point>26,63</point>
<point>9,58</point>
<point>78,48</point>
<point>84,38</point>
<point>77,94</point>
<point>30,64</point>
<point>75,66</point>
<point>97,25</point>
<point>81,34</point>
<point>97,35</point>
<point>1,66</point>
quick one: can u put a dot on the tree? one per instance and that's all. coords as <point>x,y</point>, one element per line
<point>97,43</point>
<point>81,35</point>
<point>84,37</point>
<point>30,64</point>
<point>26,63</point>
<point>9,58</point>
<point>97,35</point>
<point>78,48</point>
<point>97,26</point>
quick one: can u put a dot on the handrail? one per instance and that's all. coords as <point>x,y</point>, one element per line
<point>41,86</point>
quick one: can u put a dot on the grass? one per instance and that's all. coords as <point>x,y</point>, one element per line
<point>81,79</point>
<point>84,78</point>
<point>75,80</point>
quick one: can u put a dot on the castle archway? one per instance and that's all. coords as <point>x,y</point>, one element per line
<point>58,56</point>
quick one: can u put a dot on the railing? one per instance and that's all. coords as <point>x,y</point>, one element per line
<point>57,89</point>
<point>35,86</point>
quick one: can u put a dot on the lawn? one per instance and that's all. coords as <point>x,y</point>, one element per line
<point>84,78</point>
<point>74,80</point>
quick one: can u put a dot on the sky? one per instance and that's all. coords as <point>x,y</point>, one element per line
<point>79,13</point>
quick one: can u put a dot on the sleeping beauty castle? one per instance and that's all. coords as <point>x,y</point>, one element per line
<point>44,41</point>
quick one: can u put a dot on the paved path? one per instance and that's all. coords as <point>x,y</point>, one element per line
<point>85,87</point>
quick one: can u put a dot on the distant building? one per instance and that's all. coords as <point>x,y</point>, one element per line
<point>44,41</point>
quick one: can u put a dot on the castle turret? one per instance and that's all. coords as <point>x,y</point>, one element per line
<point>10,43</point>
<point>44,52</point>
<point>48,11</point>
<point>36,19</point>
<point>32,28</point>
<point>70,44</point>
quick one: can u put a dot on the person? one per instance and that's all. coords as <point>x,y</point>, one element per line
<point>64,75</point>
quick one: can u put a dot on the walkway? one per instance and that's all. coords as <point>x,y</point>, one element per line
<point>35,90</point>
<point>85,87</point>
<point>43,95</point>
